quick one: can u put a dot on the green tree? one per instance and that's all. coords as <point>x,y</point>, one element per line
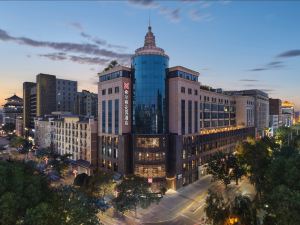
<point>255,157</point>
<point>55,161</point>
<point>99,185</point>
<point>216,209</point>
<point>244,209</point>
<point>26,198</point>
<point>111,65</point>
<point>225,167</point>
<point>134,191</point>
<point>282,187</point>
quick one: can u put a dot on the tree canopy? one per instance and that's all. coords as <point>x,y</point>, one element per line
<point>26,198</point>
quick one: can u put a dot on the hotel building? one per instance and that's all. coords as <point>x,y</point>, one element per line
<point>160,123</point>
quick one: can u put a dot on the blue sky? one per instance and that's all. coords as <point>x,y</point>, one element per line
<point>233,44</point>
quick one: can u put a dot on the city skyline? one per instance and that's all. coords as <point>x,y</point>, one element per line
<point>40,37</point>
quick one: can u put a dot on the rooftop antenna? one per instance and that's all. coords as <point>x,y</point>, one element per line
<point>149,21</point>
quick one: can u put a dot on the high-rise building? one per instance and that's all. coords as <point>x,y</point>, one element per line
<point>275,115</point>
<point>288,113</point>
<point>29,99</point>
<point>160,123</point>
<point>47,95</point>
<point>261,104</point>
<point>12,109</point>
<point>66,92</point>
<point>87,104</point>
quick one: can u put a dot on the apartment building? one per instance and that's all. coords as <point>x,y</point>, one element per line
<point>78,137</point>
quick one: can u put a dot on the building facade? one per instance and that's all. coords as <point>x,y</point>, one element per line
<point>261,105</point>
<point>47,95</point>
<point>19,126</point>
<point>78,137</point>
<point>87,104</point>
<point>160,123</point>
<point>275,115</point>
<point>66,92</point>
<point>29,99</point>
<point>12,109</point>
<point>288,113</point>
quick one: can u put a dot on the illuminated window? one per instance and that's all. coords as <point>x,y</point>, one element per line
<point>147,142</point>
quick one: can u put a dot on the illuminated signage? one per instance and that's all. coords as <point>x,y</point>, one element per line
<point>126,102</point>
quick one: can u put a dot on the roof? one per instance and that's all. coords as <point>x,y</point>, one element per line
<point>14,97</point>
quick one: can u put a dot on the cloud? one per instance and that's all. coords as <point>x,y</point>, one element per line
<point>59,56</point>
<point>100,41</point>
<point>196,15</point>
<point>85,48</point>
<point>269,91</point>
<point>144,3</point>
<point>77,26</point>
<point>249,80</point>
<point>290,53</point>
<point>270,66</point>
<point>172,14</point>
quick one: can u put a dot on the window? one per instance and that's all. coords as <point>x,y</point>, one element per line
<point>182,89</point>
<point>117,90</point>
<point>103,92</point>
<point>196,92</point>
<point>110,116</point>
<point>182,116</point>
<point>147,143</point>
<point>103,116</point>
<point>189,91</point>
<point>190,116</point>
<point>117,116</point>
<point>109,90</point>
<point>196,116</point>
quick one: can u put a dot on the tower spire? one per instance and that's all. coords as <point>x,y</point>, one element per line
<point>149,22</point>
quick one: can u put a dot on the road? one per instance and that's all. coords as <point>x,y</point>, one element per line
<point>182,207</point>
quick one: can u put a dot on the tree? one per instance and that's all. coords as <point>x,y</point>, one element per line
<point>100,185</point>
<point>282,187</point>
<point>243,208</point>
<point>225,167</point>
<point>55,161</point>
<point>26,198</point>
<point>216,209</point>
<point>255,156</point>
<point>8,127</point>
<point>81,180</point>
<point>134,191</point>
<point>111,65</point>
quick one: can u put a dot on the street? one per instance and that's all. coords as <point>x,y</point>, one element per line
<point>182,207</point>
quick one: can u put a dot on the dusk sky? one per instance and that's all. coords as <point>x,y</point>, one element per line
<point>233,44</point>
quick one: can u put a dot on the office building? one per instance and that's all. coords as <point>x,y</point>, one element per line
<point>12,109</point>
<point>160,123</point>
<point>66,92</point>
<point>87,104</point>
<point>288,113</point>
<point>47,95</point>
<point>275,115</point>
<point>261,105</point>
<point>29,99</point>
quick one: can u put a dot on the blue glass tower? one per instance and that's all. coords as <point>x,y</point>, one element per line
<point>149,65</point>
